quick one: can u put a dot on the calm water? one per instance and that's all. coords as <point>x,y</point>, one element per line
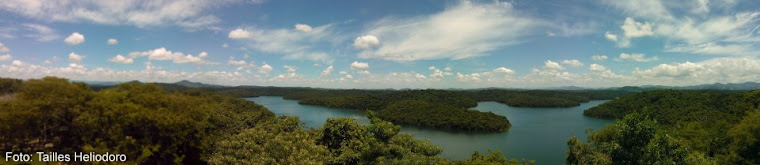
<point>537,133</point>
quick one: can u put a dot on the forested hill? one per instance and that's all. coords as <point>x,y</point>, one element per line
<point>449,106</point>
<point>152,126</point>
<point>680,127</point>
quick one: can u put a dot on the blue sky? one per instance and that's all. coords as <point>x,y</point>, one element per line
<point>385,44</point>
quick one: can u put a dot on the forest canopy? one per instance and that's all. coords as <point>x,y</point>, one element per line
<point>708,126</point>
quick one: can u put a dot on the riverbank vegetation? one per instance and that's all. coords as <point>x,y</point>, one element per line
<point>153,126</point>
<point>675,127</point>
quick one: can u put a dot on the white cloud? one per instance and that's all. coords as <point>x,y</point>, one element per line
<point>265,69</point>
<point>633,29</point>
<point>303,27</point>
<point>466,30</point>
<point>40,33</point>
<point>239,34</point>
<point>75,58</point>
<point>342,72</point>
<point>356,65</point>
<point>186,14</point>
<point>597,68</point>
<point>698,27</point>
<point>112,41</point>
<point>225,45</point>
<point>5,57</point>
<point>419,76</point>
<point>573,63</point>
<point>723,70</point>
<point>176,57</point>
<point>74,39</point>
<point>366,42</point>
<point>637,57</point>
<point>290,69</point>
<point>598,57</point>
<point>447,69</point>
<point>503,70</point>
<point>611,37</point>
<point>232,61</point>
<point>363,72</point>
<point>292,44</point>
<point>121,59</point>
<point>3,48</point>
<point>327,71</point>
<point>551,65</point>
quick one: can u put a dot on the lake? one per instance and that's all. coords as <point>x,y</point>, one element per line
<point>540,134</point>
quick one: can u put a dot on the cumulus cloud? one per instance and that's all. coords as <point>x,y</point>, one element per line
<point>290,69</point>
<point>239,34</point>
<point>121,59</point>
<point>74,39</point>
<point>5,57</point>
<point>503,70</point>
<point>232,61</point>
<point>303,27</point>
<point>186,14</point>
<point>75,58</point>
<point>637,57</point>
<point>551,65</point>
<point>611,37</point>
<point>112,41</point>
<point>466,30</point>
<point>363,72</point>
<point>3,48</point>
<point>598,57</point>
<point>720,28</point>
<point>366,42</point>
<point>176,57</point>
<point>597,68</point>
<point>356,65</point>
<point>327,71</point>
<point>633,29</point>
<point>573,63</point>
<point>265,69</point>
<point>723,70</point>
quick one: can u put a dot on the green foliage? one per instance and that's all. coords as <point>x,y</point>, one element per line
<point>494,158</point>
<point>8,85</point>
<point>744,140</point>
<point>142,121</point>
<point>421,113</point>
<point>278,141</point>
<point>633,140</point>
<point>712,125</point>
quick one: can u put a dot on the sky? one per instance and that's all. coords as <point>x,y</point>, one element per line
<point>384,44</point>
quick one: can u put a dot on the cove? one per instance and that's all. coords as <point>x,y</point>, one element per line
<point>540,134</point>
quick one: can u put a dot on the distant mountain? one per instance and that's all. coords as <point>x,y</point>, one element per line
<point>100,83</point>
<point>716,86</point>
<point>191,84</point>
<point>729,86</point>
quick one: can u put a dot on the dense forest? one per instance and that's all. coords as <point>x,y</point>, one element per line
<point>675,127</point>
<point>449,108</point>
<point>153,126</point>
